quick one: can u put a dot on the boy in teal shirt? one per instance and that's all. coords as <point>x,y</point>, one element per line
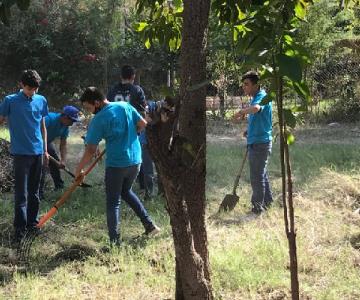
<point>259,141</point>
<point>118,124</point>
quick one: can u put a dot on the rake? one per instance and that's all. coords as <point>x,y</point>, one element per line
<point>31,236</point>
<point>57,163</point>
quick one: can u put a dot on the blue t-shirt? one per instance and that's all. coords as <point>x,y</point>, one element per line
<point>55,128</point>
<point>260,124</point>
<point>116,123</point>
<point>24,118</point>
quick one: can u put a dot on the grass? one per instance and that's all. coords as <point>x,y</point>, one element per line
<point>249,257</point>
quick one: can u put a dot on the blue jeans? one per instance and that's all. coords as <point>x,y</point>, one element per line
<point>258,158</point>
<point>118,183</point>
<point>54,170</point>
<point>146,174</point>
<point>27,180</point>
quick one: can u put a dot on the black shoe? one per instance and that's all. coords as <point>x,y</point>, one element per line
<point>18,236</point>
<point>257,210</point>
<point>267,205</point>
<point>152,230</point>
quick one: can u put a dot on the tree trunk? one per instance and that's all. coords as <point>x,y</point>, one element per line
<point>289,217</point>
<point>182,164</point>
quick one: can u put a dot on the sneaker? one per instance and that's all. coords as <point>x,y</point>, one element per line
<point>257,210</point>
<point>152,230</point>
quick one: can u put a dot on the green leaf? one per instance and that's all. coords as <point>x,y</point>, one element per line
<point>23,4</point>
<point>290,67</point>
<point>290,138</point>
<point>300,10</point>
<point>140,26</point>
<point>288,39</point>
<point>289,118</point>
<point>302,90</point>
<point>147,43</point>
<point>174,44</point>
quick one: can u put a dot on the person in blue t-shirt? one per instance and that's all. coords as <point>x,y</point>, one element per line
<point>127,91</point>
<point>259,141</point>
<point>57,126</point>
<point>25,112</point>
<point>118,124</point>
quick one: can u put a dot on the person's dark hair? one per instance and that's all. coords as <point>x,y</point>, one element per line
<point>127,72</point>
<point>252,76</point>
<point>30,78</point>
<point>92,94</point>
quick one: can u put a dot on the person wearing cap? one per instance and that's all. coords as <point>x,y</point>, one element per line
<point>57,126</point>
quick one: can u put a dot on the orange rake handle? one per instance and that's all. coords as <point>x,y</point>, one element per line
<point>67,193</point>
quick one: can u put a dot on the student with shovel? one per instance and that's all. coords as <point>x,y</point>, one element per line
<point>118,124</point>
<point>57,126</point>
<point>259,141</point>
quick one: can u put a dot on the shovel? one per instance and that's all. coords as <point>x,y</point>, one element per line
<point>231,200</point>
<point>84,185</point>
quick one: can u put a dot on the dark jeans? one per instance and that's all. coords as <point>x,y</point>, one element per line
<point>146,174</point>
<point>118,183</point>
<point>258,158</point>
<point>54,170</point>
<point>27,179</point>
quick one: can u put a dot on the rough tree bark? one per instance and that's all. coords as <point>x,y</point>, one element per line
<point>182,163</point>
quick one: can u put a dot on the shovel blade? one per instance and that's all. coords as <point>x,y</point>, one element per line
<point>229,202</point>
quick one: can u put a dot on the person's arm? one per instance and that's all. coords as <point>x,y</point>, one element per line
<point>63,151</point>
<point>44,137</point>
<point>141,124</point>
<point>89,152</point>
<point>253,109</point>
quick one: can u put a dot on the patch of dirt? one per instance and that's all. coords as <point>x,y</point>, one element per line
<point>355,241</point>
<point>75,252</point>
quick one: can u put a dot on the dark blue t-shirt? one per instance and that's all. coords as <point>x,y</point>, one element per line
<point>55,128</point>
<point>116,123</point>
<point>24,118</point>
<point>260,124</point>
<point>130,93</point>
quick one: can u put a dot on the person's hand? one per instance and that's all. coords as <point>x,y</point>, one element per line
<point>61,164</point>
<point>46,158</point>
<point>240,115</point>
<point>79,176</point>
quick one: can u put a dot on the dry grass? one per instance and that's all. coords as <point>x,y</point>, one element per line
<point>249,256</point>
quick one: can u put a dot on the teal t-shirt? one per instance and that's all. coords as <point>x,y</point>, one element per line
<point>260,124</point>
<point>24,118</point>
<point>55,128</point>
<point>116,124</point>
